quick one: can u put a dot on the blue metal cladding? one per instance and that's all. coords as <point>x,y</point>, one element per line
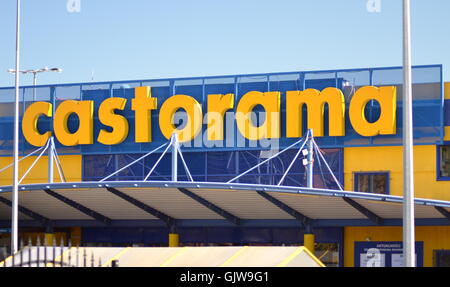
<point>428,106</point>
<point>214,235</point>
<point>217,167</point>
<point>447,113</point>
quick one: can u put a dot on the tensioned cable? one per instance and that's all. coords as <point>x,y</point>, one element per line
<point>316,147</point>
<point>28,155</point>
<point>133,158</point>
<point>291,164</point>
<point>147,154</point>
<point>35,161</point>
<point>263,162</point>
<point>159,159</point>
<point>229,159</point>
<point>125,160</point>
<point>146,167</point>
<point>109,160</point>
<point>60,172</point>
<point>184,163</point>
<point>278,171</point>
<point>246,160</point>
<point>320,168</point>
<point>326,164</point>
<point>58,162</point>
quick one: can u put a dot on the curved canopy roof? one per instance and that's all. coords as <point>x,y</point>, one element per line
<point>162,203</point>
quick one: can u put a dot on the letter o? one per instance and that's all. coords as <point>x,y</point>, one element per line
<point>194,117</point>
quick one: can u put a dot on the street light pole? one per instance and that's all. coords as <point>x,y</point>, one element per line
<point>34,86</point>
<point>408,163</point>
<point>310,166</point>
<point>15,189</point>
<point>35,72</point>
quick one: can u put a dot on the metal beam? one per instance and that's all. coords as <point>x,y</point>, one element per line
<point>443,211</point>
<point>245,223</point>
<point>225,214</point>
<point>36,216</point>
<point>150,210</point>
<point>366,212</point>
<point>89,212</point>
<point>286,208</point>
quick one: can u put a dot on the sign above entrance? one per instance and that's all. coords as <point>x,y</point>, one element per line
<point>312,101</point>
<point>109,111</point>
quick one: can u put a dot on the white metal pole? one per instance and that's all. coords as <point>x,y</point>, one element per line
<point>310,158</point>
<point>174,157</point>
<point>50,160</point>
<point>408,163</point>
<point>15,189</point>
<point>34,86</point>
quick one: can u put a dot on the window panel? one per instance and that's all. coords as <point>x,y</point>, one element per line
<point>444,161</point>
<point>218,166</point>
<point>372,182</point>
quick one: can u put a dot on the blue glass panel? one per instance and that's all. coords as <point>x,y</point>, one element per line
<point>428,105</point>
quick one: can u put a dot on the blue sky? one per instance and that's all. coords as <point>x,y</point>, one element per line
<point>142,39</point>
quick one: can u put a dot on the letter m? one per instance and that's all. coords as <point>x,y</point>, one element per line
<point>315,104</point>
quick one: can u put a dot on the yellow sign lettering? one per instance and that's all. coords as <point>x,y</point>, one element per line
<point>386,124</point>
<point>118,123</point>
<point>85,132</point>
<point>194,117</point>
<point>30,121</point>
<point>315,102</point>
<point>142,105</point>
<point>217,107</point>
<point>271,104</point>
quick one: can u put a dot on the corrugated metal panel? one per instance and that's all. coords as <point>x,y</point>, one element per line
<point>243,204</point>
<point>382,209</point>
<point>425,211</point>
<point>106,203</point>
<point>319,207</point>
<point>48,206</point>
<point>5,212</point>
<point>172,202</point>
<point>395,210</point>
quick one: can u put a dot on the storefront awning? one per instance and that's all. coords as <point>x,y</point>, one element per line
<point>155,203</point>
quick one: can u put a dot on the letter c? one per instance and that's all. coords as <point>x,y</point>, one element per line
<point>30,120</point>
<point>85,132</point>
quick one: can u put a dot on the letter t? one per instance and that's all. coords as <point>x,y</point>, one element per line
<point>142,104</point>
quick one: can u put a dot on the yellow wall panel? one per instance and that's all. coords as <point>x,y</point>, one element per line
<point>25,237</point>
<point>369,159</point>
<point>447,133</point>
<point>447,90</point>
<point>71,165</point>
<point>433,237</point>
